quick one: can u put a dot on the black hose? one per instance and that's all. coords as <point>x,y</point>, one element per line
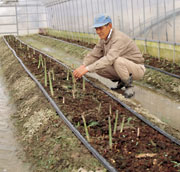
<point>147,66</point>
<point>173,139</point>
<point>162,71</point>
<point>67,122</point>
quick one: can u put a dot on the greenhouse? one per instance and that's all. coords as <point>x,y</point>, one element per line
<point>89,85</point>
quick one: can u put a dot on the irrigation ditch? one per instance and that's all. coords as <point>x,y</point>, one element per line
<point>113,131</point>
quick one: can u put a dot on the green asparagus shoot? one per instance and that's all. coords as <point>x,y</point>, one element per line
<point>50,84</point>
<point>115,124</point>
<point>138,132</point>
<point>110,110</point>
<point>74,83</point>
<point>45,73</point>
<point>84,84</point>
<point>110,133</point>
<point>73,94</point>
<point>128,120</point>
<point>63,100</point>
<point>67,75</point>
<point>122,125</point>
<point>40,61</point>
<point>53,76</point>
<point>86,129</point>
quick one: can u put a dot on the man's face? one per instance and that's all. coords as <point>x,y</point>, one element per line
<point>103,31</point>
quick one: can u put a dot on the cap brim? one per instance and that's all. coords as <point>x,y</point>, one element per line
<point>99,25</point>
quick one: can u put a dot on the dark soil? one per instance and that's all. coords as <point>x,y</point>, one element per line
<point>162,64</point>
<point>136,148</point>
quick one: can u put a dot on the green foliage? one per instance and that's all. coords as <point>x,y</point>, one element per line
<point>93,123</point>
<point>128,120</point>
<point>176,164</point>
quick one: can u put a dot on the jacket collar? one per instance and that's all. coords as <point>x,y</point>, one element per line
<point>109,36</point>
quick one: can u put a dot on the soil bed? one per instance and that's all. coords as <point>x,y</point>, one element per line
<point>135,146</point>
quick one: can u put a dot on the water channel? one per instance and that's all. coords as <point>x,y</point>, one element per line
<point>9,148</point>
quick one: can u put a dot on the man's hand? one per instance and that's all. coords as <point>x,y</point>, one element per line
<point>80,71</point>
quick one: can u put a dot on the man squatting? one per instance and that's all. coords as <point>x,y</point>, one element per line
<point>115,57</point>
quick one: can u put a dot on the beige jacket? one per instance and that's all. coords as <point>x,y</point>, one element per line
<point>107,51</point>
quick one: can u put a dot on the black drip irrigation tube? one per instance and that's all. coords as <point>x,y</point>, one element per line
<point>147,66</point>
<point>173,139</point>
<point>104,162</point>
<point>162,71</point>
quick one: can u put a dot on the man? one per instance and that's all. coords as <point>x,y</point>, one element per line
<point>115,57</point>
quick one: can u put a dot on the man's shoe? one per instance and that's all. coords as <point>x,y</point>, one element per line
<point>129,92</point>
<point>120,85</point>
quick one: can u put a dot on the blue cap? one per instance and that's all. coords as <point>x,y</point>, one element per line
<point>101,20</point>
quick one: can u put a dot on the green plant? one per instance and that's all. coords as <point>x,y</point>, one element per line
<point>63,100</point>
<point>73,94</point>
<point>93,123</point>
<point>122,125</point>
<point>176,164</point>
<point>74,82</point>
<point>110,133</point>
<point>67,78</point>
<point>50,84</point>
<point>84,81</point>
<point>77,125</point>
<point>52,72</point>
<point>99,108</point>
<point>40,61</point>
<point>110,110</point>
<point>138,132</point>
<point>115,124</point>
<point>86,129</point>
<point>128,120</point>
<point>45,73</point>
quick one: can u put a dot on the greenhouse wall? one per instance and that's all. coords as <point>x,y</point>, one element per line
<point>22,17</point>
